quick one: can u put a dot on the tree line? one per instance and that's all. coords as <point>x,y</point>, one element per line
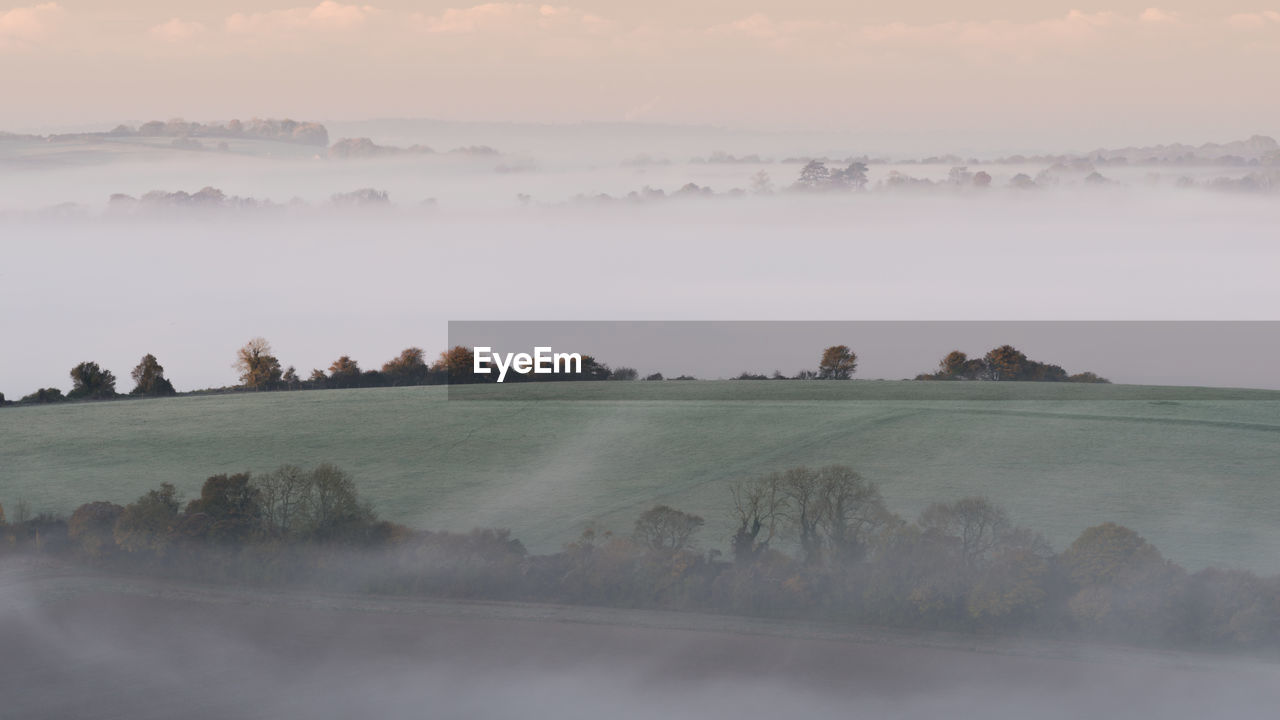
<point>813,543</point>
<point>258,368</point>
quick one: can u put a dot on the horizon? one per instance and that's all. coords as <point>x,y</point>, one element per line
<point>799,136</point>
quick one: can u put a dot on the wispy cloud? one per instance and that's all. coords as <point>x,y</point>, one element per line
<point>177,30</point>
<point>1255,21</point>
<point>509,18</point>
<point>328,16</point>
<point>26,25</point>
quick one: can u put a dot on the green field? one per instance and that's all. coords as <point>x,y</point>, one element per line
<point>1194,470</point>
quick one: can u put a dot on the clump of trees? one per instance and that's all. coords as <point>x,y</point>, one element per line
<point>91,382</point>
<point>807,542</point>
<point>289,505</point>
<point>1005,363</point>
<point>364,197</point>
<point>149,380</point>
<point>815,176</point>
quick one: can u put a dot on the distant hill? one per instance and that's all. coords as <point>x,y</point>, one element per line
<point>1257,150</point>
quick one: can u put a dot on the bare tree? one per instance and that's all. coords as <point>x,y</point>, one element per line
<point>975,524</point>
<point>285,498</point>
<point>833,511</point>
<point>759,505</point>
<point>665,529</point>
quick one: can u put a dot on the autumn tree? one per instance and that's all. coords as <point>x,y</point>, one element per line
<point>457,363</point>
<point>146,523</point>
<point>344,373</point>
<point>91,382</point>
<point>232,504</point>
<point>258,368</point>
<point>1087,377</point>
<point>1005,363</point>
<point>1125,586</point>
<point>408,368</point>
<point>149,379</point>
<point>956,365</point>
<point>92,528</point>
<point>1014,583</point>
<point>838,363</point>
<point>665,529</point>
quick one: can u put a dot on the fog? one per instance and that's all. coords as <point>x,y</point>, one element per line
<point>75,646</point>
<point>191,287</point>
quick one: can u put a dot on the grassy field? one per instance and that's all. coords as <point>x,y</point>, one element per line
<point>1194,470</point>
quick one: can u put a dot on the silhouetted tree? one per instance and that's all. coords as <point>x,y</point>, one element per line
<point>344,373</point>
<point>853,177</point>
<point>335,512</point>
<point>408,368</point>
<point>92,528</point>
<point>91,382</point>
<point>44,395</point>
<point>258,368</point>
<point>146,523</point>
<point>665,529</point>
<point>759,506</point>
<point>285,497</point>
<point>457,364</point>
<point>813,176</point>
<point>1005,363</point>
<point>232,505</point>
<point>832,510</point>
<point>838,363</point>
<point>149,379</point>
<point>975,525</point>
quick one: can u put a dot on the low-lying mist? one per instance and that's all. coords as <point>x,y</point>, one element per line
<point>191,288</point>
<point>75,647</point>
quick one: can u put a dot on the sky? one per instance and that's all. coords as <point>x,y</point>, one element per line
<point>991,74</point>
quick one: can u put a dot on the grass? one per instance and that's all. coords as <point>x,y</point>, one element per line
<point>1193,469</point>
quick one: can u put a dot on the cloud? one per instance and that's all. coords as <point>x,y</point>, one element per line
<point>1156,15</point>
<point>1254,21</point>
<point>176,31</point>
<point>1070,32</point>
<point>24,25</point>
<point>509,18</point>
<point>328,16</point>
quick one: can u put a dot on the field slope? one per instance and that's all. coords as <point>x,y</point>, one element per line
<point>1195,470</point>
